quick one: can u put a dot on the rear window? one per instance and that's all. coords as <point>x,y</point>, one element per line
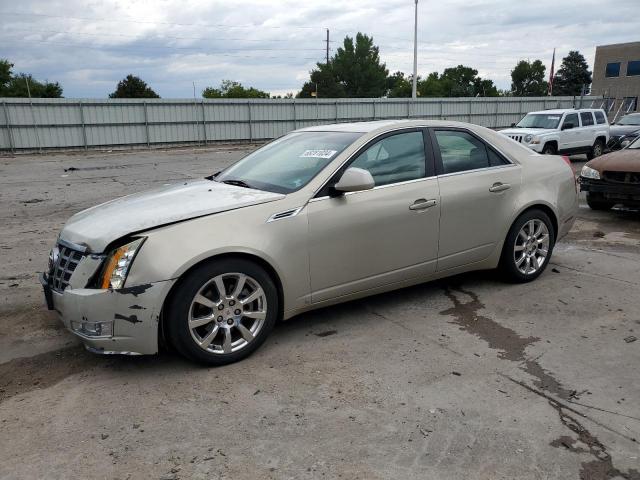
<point>587,118</point>
<point>600,117</point>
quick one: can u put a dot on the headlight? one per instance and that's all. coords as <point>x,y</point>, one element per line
<point>535,140</point>
<point>118,263</point>
<point>588,172</point>
<point>528,138</point>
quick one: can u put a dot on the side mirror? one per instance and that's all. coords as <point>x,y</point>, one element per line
<point>354,180</point>
<point>513,124</point>
<point>567,126</point>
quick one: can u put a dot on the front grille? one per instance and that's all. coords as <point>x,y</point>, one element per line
<point>622,177</point>
<point>63,266</point>
<point>517,138</point>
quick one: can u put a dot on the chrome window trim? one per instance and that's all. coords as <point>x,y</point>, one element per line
<point>444,175</point>
<point>359,151</point>
<point>379,187</point>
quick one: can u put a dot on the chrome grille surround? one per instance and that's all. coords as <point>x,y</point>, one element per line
<point>63,261</point>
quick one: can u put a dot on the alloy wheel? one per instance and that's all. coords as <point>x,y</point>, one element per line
<point>227,313</point>
<point>531,247</point>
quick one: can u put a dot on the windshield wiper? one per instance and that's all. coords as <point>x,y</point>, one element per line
<point>237,183</point>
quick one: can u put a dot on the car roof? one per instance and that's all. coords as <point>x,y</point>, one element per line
<point>560,111</point>
<point>367,127</point>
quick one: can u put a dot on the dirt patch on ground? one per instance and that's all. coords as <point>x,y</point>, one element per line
<point>41,371</point>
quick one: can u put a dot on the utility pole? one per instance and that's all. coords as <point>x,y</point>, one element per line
<point>414,88</point>
<point>327,40</point>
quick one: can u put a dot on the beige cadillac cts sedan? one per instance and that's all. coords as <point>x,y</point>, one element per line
<point>319,216</point>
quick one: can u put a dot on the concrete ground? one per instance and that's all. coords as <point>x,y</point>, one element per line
<point>464,378</point>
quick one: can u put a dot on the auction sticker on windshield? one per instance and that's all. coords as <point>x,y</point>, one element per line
<point>318,153</point>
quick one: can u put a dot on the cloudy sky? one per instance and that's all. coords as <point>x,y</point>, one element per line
<point>88,45</point>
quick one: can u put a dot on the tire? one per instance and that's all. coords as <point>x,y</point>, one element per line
<point>212,330</point>
<point>549,149</point>
<point>596,150</point>
<point>598,203</point>
<point>519,242</point>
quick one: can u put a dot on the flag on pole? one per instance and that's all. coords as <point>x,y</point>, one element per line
<point>553,61</point>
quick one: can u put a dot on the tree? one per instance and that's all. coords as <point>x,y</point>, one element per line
<point>460,81</point>
<point>133,87</point>
<point>16,85</point>
<point>399,85</point>
<point>527,79</point>
<point>5,73</point>
<point>431,86</point>
<point>231,89</point>
<point>572,75</point>
<point>354,71</point>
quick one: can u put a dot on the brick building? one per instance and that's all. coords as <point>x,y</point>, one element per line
<point>616,77</point>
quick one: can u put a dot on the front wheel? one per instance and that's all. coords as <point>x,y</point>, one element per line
<point>222,311</point>
<point>597,202</point>
<point>528,247</point>
<point>549,149</point>
<point>596,150</point>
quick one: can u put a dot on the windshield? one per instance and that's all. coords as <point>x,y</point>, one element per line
<point>539,120</point>
<point>288,163</point>
<point>635,145</point>
<point>629,120</point>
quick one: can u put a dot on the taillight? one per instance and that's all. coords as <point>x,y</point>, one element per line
<point>568,160</point>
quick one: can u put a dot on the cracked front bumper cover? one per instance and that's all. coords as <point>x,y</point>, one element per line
<point>111,321</point>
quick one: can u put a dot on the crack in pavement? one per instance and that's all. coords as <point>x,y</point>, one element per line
<point>512,347</point>
<point>602,467</point>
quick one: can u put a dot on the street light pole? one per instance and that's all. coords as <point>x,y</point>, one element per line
<point>414,88</point>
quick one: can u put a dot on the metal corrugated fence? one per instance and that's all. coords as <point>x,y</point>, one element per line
<point>42,123</point>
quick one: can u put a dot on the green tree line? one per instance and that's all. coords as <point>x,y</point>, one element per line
<point>354,71</point>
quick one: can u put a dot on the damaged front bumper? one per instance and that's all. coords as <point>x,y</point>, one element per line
<point>124,321</point>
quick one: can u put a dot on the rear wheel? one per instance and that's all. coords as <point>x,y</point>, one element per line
<point>222,311</point>
<point>597,202</point>
<point>596,150</point>
<point>528,247</point>
<point>549,149</point>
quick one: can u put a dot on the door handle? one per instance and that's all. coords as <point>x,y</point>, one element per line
<point>499,187</point>
<point>422,204</point>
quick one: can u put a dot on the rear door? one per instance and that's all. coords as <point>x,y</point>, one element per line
<point>477,190</point>
<point>587,132</point>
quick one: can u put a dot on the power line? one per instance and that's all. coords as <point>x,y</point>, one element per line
<point>148,22</point>
<point>198,50</point>
<point>172,37</point>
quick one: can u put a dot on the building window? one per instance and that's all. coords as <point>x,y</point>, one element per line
<point>613,70</point>
<point>633,68</point>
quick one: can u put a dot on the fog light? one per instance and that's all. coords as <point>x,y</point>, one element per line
<point>93,329</point>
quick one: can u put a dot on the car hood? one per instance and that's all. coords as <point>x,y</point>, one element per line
<point>98,226</point>
<point>618,130</point>
<point>627,160</point>
<point>527,131</point>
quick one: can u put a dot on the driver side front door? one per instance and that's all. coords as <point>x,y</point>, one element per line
<point>367,239</point>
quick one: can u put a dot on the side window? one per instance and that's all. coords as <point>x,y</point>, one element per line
<point>587,118</point>
<point>461,151</point>
<point>571,118</point>
<point>599,117</point>
<point>495,160</point>
<point>394,159</point>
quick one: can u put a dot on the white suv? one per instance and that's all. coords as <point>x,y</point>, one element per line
<point>565,131</point>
